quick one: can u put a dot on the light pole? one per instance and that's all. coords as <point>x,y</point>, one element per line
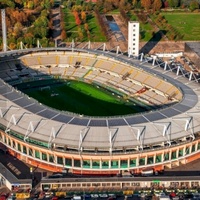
<point>3,19</point>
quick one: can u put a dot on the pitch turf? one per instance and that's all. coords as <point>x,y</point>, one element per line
<point>79,97</point>
<point>187,24</point>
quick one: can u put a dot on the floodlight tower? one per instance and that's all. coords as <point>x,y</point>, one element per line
<point>133,38</point>
<point>4,35</point>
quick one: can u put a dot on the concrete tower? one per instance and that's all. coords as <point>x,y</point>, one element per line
<point>133,38</point>
<point>3,19</point>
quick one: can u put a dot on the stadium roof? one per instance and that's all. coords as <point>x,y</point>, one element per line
<point>35,120</point>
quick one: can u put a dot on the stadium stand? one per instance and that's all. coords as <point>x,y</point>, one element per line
<point>99,145</point>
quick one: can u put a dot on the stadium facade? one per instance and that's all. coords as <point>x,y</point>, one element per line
<point>53,140</point>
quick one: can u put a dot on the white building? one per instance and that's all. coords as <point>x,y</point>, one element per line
<point>133,38</point>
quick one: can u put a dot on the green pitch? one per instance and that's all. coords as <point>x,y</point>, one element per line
<point>79,97</point>
<point>186,23</point>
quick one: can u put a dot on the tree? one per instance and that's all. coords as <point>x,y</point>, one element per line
<point>78,21</point>
<point>12,46</point>
<point>107,6</point>
<point>17,30</point>
<point>157,4</point>
<point>146,4</point>
<point>86,27</point>
<point>7,3</point>
<point>63,35</point>
<point>80,33</point>
<point>194,5</point>
<point>173,3</point>
<point>28,38</point>
<point>185,3</point>
<point>77,18</point>
<point>83,16</point>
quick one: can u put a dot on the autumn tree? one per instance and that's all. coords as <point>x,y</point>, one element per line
<point>17,31</point>
<point>146,4</point>
<point>108,6</point>
<point>134,3</point>
<point>86,27</point>
<point>157,4</point>
<point>77,18</point>
<point>63,34</point>
<point>83,16</point>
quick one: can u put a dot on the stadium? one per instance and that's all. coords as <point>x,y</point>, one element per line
<point>164,137</point>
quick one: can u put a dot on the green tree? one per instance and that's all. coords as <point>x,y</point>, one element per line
<point>7,3</point>
<point>194,5</point>
<point>80,33</point>
<point>173,3</point>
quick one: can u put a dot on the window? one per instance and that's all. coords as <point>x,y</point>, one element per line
<point>114,164</point>
<point>24,150</point>
<point>51,158</point>
<point>77,163</point>
<point>105,164</point>
<point>37,154</point>
<point>180,153</point>
<point>193,147</point>
<point>123,163</point>
<point>9,142</point>
<point>95,164</point>
<point>142,161</point>
<point>133,163</point>
<point>30,152</point>
<point>150,160</point>
<point>13,144</point>
<point>60,160</point>
<point>86,164</point>
<point>158,158</point>
<point>68,162</point>
<point>166,156</point>
<point>173,155</point>
<point>19,146</point>
<point>44,156</point>
<point>187,150</point>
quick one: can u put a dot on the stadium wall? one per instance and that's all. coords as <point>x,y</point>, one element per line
<point>168,157</point>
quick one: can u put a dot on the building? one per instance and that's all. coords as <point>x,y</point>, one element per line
<point>133,38</point>
<point>192,51</point>
<point>57,141</point>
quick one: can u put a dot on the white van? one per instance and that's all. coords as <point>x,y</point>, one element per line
<point>75,197</point>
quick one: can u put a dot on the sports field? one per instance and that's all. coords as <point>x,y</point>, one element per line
<point>187,24</point>
<point>79,97</point>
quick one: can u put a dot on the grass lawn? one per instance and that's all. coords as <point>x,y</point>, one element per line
<point>79,97</point>
<point>187,24</point>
